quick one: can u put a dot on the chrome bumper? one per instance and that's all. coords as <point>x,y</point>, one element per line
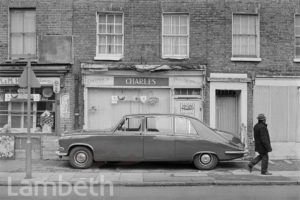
<point>237,152</point>
<point>61,154</point>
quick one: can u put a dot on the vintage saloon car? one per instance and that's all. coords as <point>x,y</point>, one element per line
<point>152,137</point>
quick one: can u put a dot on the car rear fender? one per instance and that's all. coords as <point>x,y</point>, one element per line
<point>80,144</point>
<point>202,152</point>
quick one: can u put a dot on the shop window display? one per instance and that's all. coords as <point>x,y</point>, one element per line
<point>13,111</point>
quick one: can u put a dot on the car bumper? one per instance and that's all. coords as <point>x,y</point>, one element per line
<point>61,153</point>
<point>236,152</point>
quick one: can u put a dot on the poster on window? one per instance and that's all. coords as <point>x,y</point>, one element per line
<point>7,147</point>
<point>187,108</point>
<point>65,105</point>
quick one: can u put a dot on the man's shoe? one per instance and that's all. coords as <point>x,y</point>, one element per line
<point>249,167</point>
<point>266,173</point>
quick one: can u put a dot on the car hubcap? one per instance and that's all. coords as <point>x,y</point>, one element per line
<point>205,158</point>
<point>81,157</point>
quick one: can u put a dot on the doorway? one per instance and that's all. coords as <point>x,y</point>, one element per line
<point>228,110</point>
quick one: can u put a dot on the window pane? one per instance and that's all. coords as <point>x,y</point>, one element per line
<point>29,21</point>
<point>118,29</point>
<point>252,45</point>
<point>29,45</point>
<point>25,122</point>
<point>184,126</point>
<point>16,44</point>
<point>175,46</point>
<point>251,25</point>
<point>118,19</point>
<point>102,49</point>
<point>102,19</point>
<point>16,122</point>
<point>118,40</point>
<point>110,19</point>
<point>183,24</point>
<point>175,25</point>
<point>131,124</point>
<point>102,39</point>
<point>297,30</point>
<point>298,41</point>
<point>16,21</point>
<point>183,46</point>
<point>160,124</point>
<point>236,24</point>
<point>244,24</point>
<point>167,45</point>
<point>167,24</point>
<point>102,28</point>
<point>235,45</point>
<point>110,28</point>
<point>297,20</point>
<point>297,51</point>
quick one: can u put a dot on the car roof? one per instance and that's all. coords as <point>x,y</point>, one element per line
<point>158,114</point>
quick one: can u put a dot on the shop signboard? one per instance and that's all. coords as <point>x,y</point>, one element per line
<point>141,81</point>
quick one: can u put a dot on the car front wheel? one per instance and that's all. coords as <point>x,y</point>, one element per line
<point>205,161</point>
<point>81,157</point>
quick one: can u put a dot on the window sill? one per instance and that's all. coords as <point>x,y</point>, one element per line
<point>175,57</point>
<point>297,60</point>
<point>108,57</point>
<point>246,59</point>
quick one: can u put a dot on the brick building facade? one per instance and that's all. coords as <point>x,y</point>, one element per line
<point>221,61</point>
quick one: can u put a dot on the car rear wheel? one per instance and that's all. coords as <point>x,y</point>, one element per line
<point>81,157</point>
<point>205,161</point>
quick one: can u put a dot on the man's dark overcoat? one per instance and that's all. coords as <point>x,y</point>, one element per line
<point>262,138</point>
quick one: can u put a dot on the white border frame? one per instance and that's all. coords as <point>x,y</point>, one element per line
<point>228,86</point>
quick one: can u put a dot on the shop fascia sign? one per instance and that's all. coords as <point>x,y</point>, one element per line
<point>140,81</point>
<point>55,82</point>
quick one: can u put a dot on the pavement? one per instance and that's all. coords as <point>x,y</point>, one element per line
<point>55,172</point>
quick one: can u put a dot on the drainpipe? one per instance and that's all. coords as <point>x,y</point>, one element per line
<point>76,110</point>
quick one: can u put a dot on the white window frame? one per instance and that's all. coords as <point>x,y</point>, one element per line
<point>188,37</point>
<point>23,56</point>
<point>296,58</point>
<point>108,56</point>
<point>257,57</point>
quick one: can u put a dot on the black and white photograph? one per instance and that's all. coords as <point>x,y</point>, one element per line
<point>150,99</point>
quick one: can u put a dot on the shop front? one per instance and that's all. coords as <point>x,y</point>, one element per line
<point>110,95</point>
<point>46,119</point>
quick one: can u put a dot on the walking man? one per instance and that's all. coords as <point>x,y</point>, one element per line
<point>262,145</point>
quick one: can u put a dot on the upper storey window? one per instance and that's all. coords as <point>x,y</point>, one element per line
<point>175,36</point>
<point>22,33</point>
<point>110,36</point>
<point>245,37</point>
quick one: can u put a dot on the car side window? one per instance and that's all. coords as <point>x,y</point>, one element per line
<point>159,124</point>
<point>184,126</point>
<point>131,124</point>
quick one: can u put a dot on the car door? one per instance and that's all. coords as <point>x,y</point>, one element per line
<point>159,140</point>
<point>188,141</point>
<point>125,144</point>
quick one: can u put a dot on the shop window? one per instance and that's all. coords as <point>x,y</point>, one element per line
<point>13,111</point>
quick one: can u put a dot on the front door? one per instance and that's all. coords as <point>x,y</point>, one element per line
<point>159,139</point>
<point>227,111</point>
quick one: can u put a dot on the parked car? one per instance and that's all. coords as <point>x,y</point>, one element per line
<point>152,137</point>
